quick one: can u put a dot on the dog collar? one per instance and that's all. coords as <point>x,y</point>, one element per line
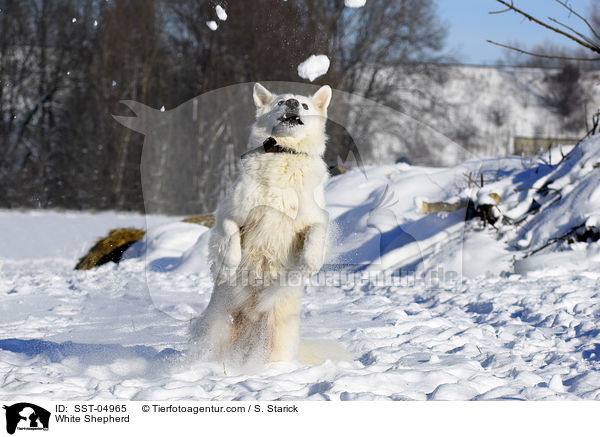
<point>270,146</point>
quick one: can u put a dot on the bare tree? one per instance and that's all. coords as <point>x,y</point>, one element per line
<point>41,50</point>
<point>66,64</point>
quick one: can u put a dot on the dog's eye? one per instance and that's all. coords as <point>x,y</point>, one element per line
<point>305,106</point>
<point>279,103</point>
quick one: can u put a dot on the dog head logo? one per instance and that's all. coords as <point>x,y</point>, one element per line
<point>26,416</point>
<point>191,153</point>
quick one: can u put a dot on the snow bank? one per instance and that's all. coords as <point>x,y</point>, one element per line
<point>574,189</point>
<point>377,222</point>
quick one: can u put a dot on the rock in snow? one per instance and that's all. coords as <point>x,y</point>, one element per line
<point>313,67</point>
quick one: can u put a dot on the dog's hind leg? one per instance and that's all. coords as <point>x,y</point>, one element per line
<point>210,331</point>
<point>284,329</point>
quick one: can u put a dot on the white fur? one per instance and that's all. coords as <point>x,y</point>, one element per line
<point>272,226</point>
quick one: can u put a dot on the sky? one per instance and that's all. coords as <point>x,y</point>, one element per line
<point>471,25</point>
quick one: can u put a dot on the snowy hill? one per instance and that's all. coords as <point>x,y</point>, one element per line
<point>470,312</point>
<point>481,109</point>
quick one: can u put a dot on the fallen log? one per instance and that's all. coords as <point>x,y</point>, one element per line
<point>484,207</point>
<point>435,207</point>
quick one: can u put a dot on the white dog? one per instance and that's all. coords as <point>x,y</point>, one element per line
<point>270,233</point>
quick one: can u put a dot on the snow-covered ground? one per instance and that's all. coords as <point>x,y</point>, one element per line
<point>474,313</point>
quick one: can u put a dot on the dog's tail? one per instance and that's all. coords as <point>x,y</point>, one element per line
<point>315,352</point>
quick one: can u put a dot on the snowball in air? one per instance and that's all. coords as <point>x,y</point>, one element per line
<point>354,3</point>
<point>221,13</point>
<point>212,25</point>
<point>313,67</point>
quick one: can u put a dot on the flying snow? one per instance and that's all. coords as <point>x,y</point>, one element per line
<point>221,13</point>
<point>313,67</point>
<point>212,25</point>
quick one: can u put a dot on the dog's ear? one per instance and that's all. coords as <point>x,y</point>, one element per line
<point>261,95</point>
<point>322,97</point>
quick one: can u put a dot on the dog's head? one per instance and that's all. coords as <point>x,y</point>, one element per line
<point>293,120</point>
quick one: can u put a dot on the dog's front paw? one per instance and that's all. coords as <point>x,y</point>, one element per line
<point>312,261</point>
<point>233,253</point>
<point>313,255</point>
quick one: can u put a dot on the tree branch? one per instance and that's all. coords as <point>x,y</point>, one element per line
<point>539,55</point>
<point>580,17</point>
<point>499,12</point>
<point>594,47</point>
<point>583,37</point>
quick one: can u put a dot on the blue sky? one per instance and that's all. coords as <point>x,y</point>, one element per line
<point>471,25</point>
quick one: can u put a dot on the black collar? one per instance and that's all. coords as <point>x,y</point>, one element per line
<point>270,146</point>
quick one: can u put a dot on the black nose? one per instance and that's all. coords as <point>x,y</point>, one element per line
<point>292,103</point>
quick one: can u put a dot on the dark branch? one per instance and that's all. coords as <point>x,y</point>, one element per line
<point>594,48</point>
<point>585,38</point>
<point>580,17</point>
<point>539,55</point>
<point>499,12</point>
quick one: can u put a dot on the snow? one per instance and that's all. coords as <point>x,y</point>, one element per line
<point>491,339</point>
<point>354,3</point>
<point>313,67</point>
<point>221,13</point>
<point>475,316</point>
<point>212,25</point>
<point>61,236</point>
